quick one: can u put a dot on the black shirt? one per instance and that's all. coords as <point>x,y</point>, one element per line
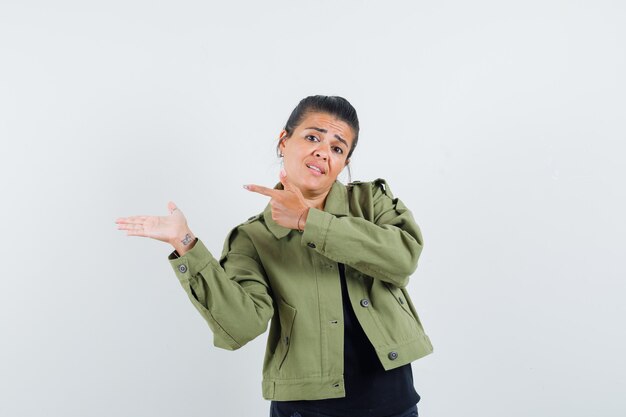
<point>370,390</point>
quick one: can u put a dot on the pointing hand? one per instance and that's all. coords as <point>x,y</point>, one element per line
<point>289,209</point>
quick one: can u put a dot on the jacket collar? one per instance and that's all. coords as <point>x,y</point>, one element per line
<point>336,203</point>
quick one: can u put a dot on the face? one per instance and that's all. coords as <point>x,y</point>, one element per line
<point>315,153</point>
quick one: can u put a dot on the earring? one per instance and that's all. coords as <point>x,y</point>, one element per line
<point>281,140</point>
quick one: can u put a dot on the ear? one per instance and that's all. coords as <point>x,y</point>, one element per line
<point>282,137</point>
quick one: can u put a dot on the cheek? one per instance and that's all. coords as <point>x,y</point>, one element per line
<point>297,155</point>
<point>339,162</point>
<point>292,163</point>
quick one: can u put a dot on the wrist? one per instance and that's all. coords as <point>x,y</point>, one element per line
<point>302,219</point>
<point>184,242</point>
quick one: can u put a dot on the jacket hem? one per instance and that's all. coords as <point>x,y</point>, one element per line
<point>319,388</point>
<point>396,355</point>
<point>315,388</point>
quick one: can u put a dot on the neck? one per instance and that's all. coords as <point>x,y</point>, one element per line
<point>316,200</point>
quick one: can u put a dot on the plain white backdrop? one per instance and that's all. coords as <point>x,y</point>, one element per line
<point>500,124</point>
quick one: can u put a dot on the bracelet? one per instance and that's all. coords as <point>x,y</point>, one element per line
<point>300,218</point>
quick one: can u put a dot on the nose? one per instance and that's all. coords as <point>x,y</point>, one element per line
<point>322,152</point>
<point>319,155</point>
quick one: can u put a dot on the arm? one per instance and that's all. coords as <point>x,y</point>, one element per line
<point>232,295</point>
<point>386,248</point>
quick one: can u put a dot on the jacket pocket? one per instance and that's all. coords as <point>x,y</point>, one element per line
<point>402,299</point>
<point>287,316</point>
<point>412,308</point>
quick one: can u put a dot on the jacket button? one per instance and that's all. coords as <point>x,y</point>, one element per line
<point>393,356</point>
<point>311,245</point>
<point>365,302</point>
<point>182,268</point>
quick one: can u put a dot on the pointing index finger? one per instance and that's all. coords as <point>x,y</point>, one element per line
<point>270,192</point>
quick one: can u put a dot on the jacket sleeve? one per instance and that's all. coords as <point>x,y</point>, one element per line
<point>386,248</point>
<point>232,295</point>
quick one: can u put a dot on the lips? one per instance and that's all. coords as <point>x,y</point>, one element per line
<point>315,167</point>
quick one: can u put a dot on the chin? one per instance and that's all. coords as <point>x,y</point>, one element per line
<point>311,183</point>
<point>318,183</point>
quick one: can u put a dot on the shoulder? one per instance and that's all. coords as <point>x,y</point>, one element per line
<point>253,219</point>
<point>251,226</point>
<point>375,188</point>
<point>241,237</point>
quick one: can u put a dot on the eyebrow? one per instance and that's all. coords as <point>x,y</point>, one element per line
<point>319,129</point>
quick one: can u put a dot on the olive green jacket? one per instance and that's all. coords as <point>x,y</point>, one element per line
<point>267,271</point>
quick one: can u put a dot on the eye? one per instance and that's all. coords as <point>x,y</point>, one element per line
<point>338,150</point>
<point>312,138</point>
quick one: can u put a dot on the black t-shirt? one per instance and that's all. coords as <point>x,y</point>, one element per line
<point>370,390</point>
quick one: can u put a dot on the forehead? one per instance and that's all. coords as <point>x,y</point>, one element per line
<point>329,122</point>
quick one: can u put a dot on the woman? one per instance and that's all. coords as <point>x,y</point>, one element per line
<point>327,263</point>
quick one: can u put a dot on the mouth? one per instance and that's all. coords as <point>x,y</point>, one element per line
<point>316,169</point>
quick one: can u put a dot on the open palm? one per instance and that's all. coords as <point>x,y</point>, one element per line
<point>163,228</point>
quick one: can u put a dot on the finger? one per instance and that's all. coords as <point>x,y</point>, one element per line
<point>171,207</point>
<point>283,179</point>
<point>136,233</point>
<point>270,192</point>
<point>130,226</point>
<point>131,220</point>
<point>288,185</point>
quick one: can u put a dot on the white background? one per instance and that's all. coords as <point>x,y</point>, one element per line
<point>500,125</point>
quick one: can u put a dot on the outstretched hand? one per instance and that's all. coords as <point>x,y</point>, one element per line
<point>167,229</point>
<point>289,208</point>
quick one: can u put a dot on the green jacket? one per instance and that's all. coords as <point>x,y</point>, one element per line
<point>267,271</point>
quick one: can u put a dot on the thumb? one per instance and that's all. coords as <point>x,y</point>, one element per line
<point>171,207</point>
<point>283,179</point>
<point>288,185</point>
